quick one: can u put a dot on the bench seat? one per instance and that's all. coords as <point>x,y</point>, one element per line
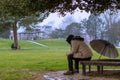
<point>99,63</point>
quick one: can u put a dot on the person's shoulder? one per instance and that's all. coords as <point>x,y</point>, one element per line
<point>78,38</point>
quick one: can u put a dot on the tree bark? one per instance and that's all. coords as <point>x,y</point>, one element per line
<point>15,36</point>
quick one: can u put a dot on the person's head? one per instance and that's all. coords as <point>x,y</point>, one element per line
<point>69,38</point>
<point>78,38</point>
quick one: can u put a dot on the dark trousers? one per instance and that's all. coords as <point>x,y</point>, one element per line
<point>70,59</point>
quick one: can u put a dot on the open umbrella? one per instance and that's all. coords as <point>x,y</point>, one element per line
<point>104,48</point>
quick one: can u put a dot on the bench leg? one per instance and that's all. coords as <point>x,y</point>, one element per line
<point>101,69</point>
<point>89,68</point>
<point>98,69</point>
<point>83,69</point>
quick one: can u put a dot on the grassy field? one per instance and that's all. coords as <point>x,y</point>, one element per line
<point>17,64</point>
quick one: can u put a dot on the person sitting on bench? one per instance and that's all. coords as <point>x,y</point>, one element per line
<point>79,51</point>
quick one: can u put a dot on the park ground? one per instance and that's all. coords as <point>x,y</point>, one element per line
<point>36,62</point>
<point>58,75</point>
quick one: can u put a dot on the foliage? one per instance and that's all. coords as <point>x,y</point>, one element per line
<point>28,7</point>
<point>5,24</point>
<point>24,8</point>
<point>70,5</point>
<point>31,21</point>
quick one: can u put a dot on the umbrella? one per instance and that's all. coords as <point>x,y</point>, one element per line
<point>104,48</point>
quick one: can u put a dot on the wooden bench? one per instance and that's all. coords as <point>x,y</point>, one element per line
<point>99,63</point>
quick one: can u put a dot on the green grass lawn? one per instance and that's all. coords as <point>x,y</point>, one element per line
<point>17,64</point>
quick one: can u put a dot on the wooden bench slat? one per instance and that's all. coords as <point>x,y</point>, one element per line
<point>99,63</point>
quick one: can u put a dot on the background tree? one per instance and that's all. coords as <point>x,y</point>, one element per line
<point>58,33</point>
<point>114,33</point>
<point>74,28</point>
<point>47,31</point>
<point>110,19</point>
<point>28,22</point>
<point>117,28</point>
<point>93,26</point>
<point>31,21</point>
<point>15,10</point>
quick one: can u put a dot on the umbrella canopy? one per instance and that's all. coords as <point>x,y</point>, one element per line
<point>104,48</point>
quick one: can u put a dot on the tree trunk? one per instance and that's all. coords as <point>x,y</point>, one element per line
<point>15,36</point>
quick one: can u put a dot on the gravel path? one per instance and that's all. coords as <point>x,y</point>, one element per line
<point>58,75</point>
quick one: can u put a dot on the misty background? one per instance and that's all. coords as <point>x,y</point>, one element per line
<point>90,26</point>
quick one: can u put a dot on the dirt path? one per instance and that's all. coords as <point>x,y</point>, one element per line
<point>58,75</point>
